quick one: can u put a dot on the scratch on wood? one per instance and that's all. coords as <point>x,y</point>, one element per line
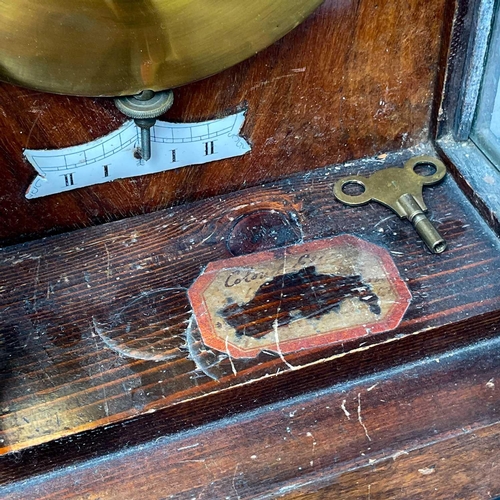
<point>360,420</point>
<point>108,263</point>
<point>35,121</point>
<point>34,299</point>
<point>195,445</point>
<point>98,328</point>
<point>275,79</point>
<point>276,319</point>
<point>194,355</point>
<point>233,368</point>
<point>427,470</point>
<point>234,481</point>
<point>208,237</point>
<point>399,454</point>
<point>344,409</point>
<point>314,443</point>
<point>37,281</point>
<point>384,220</point>
<point>103,386</point>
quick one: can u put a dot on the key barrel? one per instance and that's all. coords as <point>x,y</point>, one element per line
<point>424,227</point>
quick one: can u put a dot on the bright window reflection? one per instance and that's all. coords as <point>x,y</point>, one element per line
<point>486,128</point>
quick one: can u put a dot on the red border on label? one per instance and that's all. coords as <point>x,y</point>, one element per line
<point>391,320</point>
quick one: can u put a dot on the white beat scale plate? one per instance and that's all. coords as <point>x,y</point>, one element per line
<point>173,145</point>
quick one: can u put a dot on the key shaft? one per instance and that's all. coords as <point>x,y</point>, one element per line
<point>424,227</point>
<point>145,108</point>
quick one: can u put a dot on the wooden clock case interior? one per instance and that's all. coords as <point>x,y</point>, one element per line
<point>409,413</point>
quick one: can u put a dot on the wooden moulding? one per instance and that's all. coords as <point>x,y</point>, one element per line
<point>83,373</point>
<point>474,172</point>
<point>426,430</point>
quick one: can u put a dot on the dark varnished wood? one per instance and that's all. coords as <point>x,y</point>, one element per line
<point>101,367</point>
<point>356,79</point>
<point>85,370</point>
<point>454,58</point>
<point>428,430</point>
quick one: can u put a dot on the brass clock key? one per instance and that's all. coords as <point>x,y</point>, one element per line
<point>401,190</point>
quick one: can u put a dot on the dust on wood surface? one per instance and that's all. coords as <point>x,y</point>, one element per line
<point>97,328</point>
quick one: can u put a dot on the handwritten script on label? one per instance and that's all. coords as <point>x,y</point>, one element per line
<point>173,145</point>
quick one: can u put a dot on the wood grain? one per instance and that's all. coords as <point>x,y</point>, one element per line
<point>356,79</point>
<point>86,370</point>
<point>107,388</point>
<point>428,430</point>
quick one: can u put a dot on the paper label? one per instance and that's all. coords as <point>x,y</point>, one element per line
<point>299,297</point>
<point>173,145</point>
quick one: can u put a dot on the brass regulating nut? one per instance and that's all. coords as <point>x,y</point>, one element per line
<point>145,108</point>
<point>147,104</point>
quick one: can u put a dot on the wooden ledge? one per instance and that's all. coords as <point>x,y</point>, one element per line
<point>80,364</point>
<point>429,429</point>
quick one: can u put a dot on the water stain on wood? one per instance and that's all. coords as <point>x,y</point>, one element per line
<point>262,230</point>
<point>297,295</point>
